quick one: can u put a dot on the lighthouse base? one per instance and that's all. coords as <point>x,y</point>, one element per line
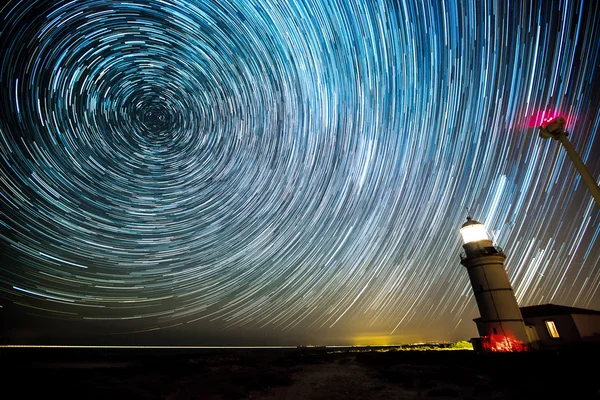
<point>504,336</point>
<point>502,344</point>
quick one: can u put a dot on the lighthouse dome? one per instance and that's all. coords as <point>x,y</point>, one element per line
<point>473,231</point>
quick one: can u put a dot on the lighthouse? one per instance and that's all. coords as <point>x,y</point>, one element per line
<point>501,325</point>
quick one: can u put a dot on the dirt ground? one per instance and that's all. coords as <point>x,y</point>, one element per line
<point>343,378</point>
<point>303,375</point>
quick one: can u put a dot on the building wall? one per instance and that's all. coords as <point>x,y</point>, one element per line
<point>532,335</point>
<point>588,326</point>
<point>567,329</point>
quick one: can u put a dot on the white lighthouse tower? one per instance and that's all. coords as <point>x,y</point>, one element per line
<point>501,326</point>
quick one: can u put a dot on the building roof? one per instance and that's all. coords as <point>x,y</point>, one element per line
<point>548,310</point>
<point>543,310</point>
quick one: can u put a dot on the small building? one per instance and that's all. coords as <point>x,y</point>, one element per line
<point>551,326</point>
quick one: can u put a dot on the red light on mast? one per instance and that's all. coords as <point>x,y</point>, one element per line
<point>553,128</point>
<point>543,117</point>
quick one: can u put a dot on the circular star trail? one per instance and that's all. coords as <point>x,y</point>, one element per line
<point>292,166</point>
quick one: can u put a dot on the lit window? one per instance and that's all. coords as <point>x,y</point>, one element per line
<point>551,326</point>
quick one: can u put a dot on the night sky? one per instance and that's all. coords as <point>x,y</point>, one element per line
<point>288,172</point>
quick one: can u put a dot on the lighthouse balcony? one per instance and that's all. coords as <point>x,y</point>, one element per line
<point>480,252</point>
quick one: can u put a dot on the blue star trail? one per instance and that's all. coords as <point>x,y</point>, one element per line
<point>292,169</point>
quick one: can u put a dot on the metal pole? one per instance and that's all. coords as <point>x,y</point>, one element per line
<point>585,174</point>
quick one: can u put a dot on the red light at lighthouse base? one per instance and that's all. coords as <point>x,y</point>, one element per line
<point>502,344</point>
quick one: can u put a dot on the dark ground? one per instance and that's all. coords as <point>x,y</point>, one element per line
<point>298,374</point>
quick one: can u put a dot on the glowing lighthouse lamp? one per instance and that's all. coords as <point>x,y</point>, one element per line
<point>501,326</point>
